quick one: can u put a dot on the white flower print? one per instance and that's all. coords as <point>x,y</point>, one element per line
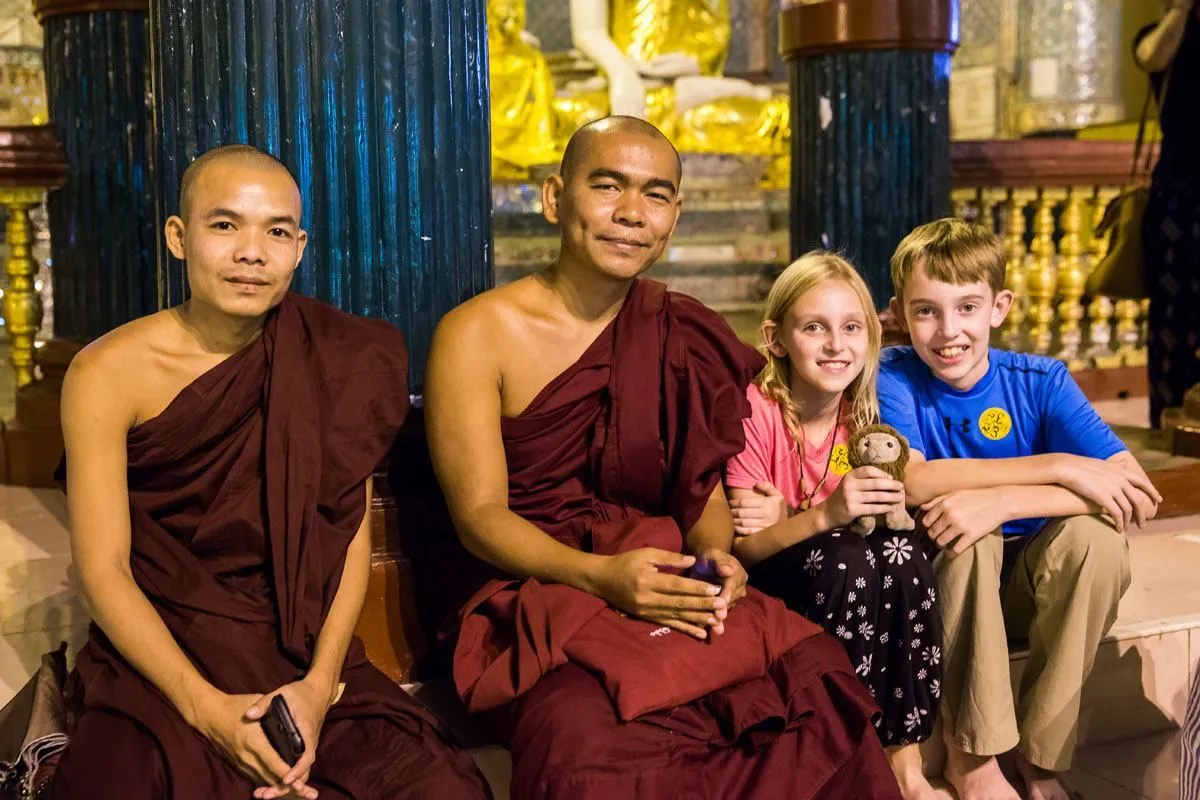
<point>862,611</point>
<point>883,637</point>
<point>916,582</point>
<point>922,674</point>
<point>935,687</point>
<point>864,667</point>
<point>812,565</point>
<point>860,583</point>
<point>918,628</point>
<point>841,566</point>
<point>866,630</point>
<point>871,559</point>
<point>896,550</point>
<point>898,693</point>
<point>851,597</point>
<point>916,644</point>
<point>914,719</point>
<point>912,614</point>
<point>925,604</point>
<point>847,635</point>
<point>840,631</point>
<point>932,595</point>
<point>887,581</point>
<point>820,598</point>
<point>932,655</point>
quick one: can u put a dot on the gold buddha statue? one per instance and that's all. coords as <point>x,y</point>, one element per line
<point>524,120</point>
<point>664,59</point>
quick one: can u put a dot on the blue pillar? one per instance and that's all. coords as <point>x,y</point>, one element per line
<point>870,125</point>
<point>379,107</point>
<point>102,228</point>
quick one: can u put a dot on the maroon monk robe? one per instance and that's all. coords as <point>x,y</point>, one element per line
<point>623,449</point>
<point>244,495</point>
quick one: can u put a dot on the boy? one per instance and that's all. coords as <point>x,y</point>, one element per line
<point>1012,469</point>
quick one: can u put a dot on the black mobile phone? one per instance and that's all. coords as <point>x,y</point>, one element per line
<point>705,570</point>
<point>280,728</point>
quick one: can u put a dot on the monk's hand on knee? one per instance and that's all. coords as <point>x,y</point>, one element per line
<point>733,577</point>
<point>956,521</point>
<point>764,508</point>
<point>640,583</point>
<point>308,704</point>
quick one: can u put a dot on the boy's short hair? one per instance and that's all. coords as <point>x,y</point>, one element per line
<point>952,251</point>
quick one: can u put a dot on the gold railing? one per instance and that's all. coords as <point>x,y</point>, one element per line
<point>31,163</point>
<point>1044,198</point>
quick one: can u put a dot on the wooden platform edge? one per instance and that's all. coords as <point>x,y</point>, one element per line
<point>1180,488</point>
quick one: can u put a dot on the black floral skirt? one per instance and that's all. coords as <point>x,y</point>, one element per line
<point>878,596</point>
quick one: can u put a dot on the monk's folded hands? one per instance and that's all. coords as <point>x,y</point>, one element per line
<point>635,582</point>
<point>308,701</point>
<point>221,718</point>
<point>734,577</point>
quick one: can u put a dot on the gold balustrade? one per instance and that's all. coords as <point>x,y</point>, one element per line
<point>1044,198</point>
<point>31,163</point>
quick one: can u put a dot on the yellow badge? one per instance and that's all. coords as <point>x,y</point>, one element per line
<point>995,423</point>
<point>839,459</point>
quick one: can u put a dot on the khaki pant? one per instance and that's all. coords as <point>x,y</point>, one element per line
<point>1062,592</point>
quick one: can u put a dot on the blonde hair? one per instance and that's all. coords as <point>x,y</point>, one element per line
<point>806,273</point>
<point>951,251</point>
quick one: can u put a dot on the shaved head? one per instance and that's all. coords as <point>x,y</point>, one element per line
<point>617,126</point>
<point>227,155</point>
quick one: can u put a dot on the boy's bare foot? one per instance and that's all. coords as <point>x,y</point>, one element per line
<point>977,777</point>
<point>906,766</point>
<point>1041,784</point>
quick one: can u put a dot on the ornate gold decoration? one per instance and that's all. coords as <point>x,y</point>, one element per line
<point>1100,309</point>
<point>1041,278</point>
<point>1127,334</point>
<point>22,302</point>
<point>1013,226</point>
<point>1071,277</point>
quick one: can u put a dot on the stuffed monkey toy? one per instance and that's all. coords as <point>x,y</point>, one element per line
<point>883,447</point>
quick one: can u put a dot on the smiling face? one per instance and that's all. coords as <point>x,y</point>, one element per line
<point>618,202</point>
<point>951,324</point>
<point>239,234</point>
<point>823,336</point>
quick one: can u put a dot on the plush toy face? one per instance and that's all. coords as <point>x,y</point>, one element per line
<point>879,446</point>
<point>879,449</point>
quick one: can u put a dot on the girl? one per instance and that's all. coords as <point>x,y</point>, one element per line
<point>793,496</point>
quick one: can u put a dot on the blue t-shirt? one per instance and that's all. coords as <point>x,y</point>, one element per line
<point>1025,405</point>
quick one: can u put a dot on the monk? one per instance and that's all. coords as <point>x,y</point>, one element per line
<point>578,421</point>
<point>218,461</point>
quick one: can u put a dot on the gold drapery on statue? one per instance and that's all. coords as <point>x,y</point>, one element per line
<point>523,115</point>
<point>649,29</point>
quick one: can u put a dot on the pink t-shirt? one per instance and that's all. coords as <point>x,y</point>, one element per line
<point>772,456</point>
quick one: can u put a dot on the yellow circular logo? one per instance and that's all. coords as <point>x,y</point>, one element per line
<point>839,459</point>
<point>995,423</point>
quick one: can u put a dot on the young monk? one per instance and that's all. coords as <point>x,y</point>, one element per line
<point>1013,469</point>
<point>578,421</point>
<point>218,464</point>
<point>794,494</point>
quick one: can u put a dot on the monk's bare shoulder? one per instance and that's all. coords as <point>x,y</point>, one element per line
<point>109,372</point>
<point>484,328</point>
